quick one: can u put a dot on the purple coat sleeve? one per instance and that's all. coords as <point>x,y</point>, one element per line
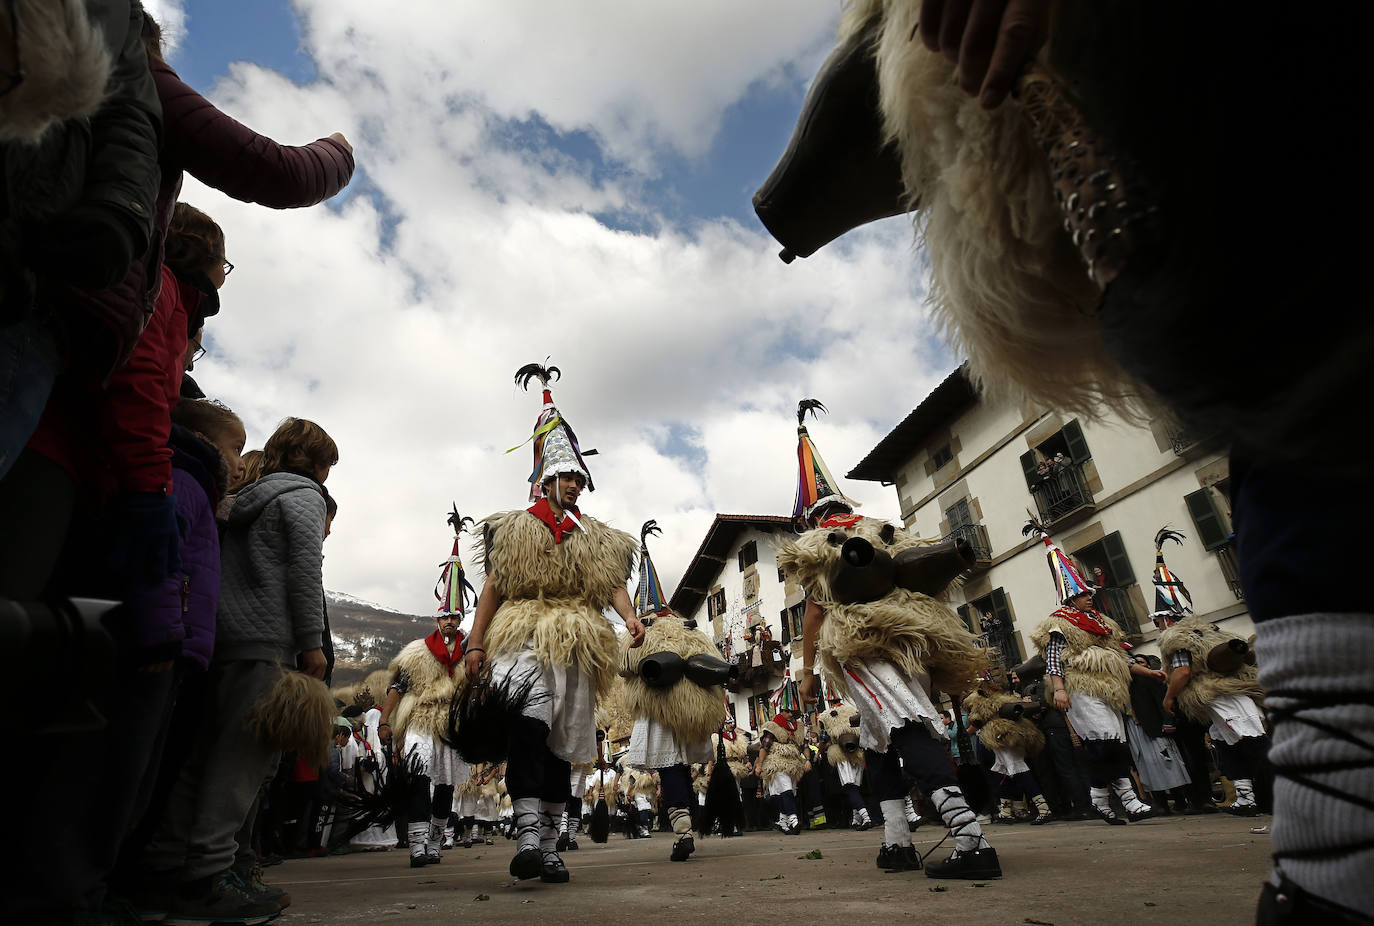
<point>182,607</point>
<point>232,158</point>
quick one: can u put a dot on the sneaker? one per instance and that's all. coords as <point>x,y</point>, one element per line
<point>683,848</point>
<point>253,884</point>
<point>528,863</point>
<point>1109,815</point>
<point>977,865</point>
<point>899,858</point>
<point>220,900</point>
<point>552,870</point>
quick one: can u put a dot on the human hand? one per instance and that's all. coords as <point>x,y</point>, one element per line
<point>1061,699</point>
<point>384,733</point>
<point>472,664</point>
<point>810,688</point>
<point>1169,702</point>
<point>338,137</point>
<point>989,40</point>
<point>313,663</point>
<point>636,630</point>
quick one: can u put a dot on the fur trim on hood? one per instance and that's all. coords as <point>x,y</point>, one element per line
<point>66,68</point>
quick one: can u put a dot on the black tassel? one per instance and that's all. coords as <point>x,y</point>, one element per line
<point>481,718</point>
<point>722,805</point>
<point>600,827</point>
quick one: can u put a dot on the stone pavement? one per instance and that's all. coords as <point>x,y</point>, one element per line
<point>1203,869</point>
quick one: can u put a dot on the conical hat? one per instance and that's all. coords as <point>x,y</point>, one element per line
<point>816,487</point>
<point>649,598</point>
<point>1170,592</point>
<point>556,451</point>
<point>1068,582</point>
<point>452,588</point>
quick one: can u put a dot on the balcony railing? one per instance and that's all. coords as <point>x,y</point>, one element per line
<point>977,537</point>
<point>758,664</point>
<point>1001,646</point>
<point>1061,492</point>
<point>1117,604</point>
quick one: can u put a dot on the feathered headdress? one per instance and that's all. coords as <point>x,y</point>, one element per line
<point>649,597</point>
<point>1170,592</point>
<point>1068,582</point>
<point>815,486</point>
<point>555,445</point>
<point>453,587</point>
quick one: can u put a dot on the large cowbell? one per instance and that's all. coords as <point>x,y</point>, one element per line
<point>837,172</point>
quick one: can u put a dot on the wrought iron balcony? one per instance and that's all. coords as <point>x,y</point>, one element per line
<point>977,537</point>
<point>1226,558</point>
<point>1117,604</point>
<point>1061,492</point>
<point>1001,646</point>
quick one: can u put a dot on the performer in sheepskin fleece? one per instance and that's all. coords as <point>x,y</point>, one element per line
<point>1213,680</point>
<point>841,724</point>
<point>674,691</point>
<point>539,630</point>
<point>426,675</point>
<point>1037,145</point>
<point>781,766</point>
<point>1087,669</point>
<point>873,629</point>
<point>996,716</point>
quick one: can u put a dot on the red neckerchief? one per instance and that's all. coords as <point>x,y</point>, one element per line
<point>1084,620</point>
<point>789,725</point>
<point>842,520</point>
<point>544,512</point>
<point>730,735</point>
<point>435,642</point>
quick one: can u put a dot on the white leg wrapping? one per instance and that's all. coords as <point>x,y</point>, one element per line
<point>895,831</point>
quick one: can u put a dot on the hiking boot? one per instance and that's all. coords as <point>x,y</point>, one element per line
<point>528,863</point>
<point>218,899</point>
<point>683,848</point>
<point>977,865</point>
<point>254,886</point>
<point>552,870</point>
<point>899,858</point>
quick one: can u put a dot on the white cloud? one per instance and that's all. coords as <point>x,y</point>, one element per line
<point>171,16</point>
<point>397,323</point>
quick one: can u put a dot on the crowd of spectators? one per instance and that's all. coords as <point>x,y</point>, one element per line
<point>133,528</point>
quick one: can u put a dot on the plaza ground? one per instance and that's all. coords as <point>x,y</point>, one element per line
<point>1208,869</point>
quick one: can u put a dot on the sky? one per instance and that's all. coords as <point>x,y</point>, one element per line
<point>535,180</point>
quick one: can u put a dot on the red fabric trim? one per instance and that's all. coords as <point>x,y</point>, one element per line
<point>544,512</point>
<point>842,520</point>
<point>850,673</point>
<point>1084,620</point>
<point>435,642</point>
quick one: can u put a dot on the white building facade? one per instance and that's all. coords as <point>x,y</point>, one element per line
<point>968,468</point>
<point>733,587</point>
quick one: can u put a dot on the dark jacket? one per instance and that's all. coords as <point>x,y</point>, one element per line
<point>182,608</point>
<point>81,203</point>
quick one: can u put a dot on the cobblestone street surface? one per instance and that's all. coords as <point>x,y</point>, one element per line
<point>1207,869</point>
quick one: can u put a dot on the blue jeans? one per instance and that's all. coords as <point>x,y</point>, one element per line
<point>28,366</point>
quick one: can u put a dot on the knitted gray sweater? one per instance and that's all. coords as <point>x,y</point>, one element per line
<point>271,603</point>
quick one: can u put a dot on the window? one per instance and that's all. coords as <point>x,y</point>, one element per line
<point>715,605</point>
<point>781,576</point>
<point>748,555</point>
<point>942,455</point>
<point>753,714</point>
<point>1105,563</point>
<point>1209,517</point>
<point>991,615</point>
<point>959,515</point>
<point>730,706</point>
<point>792,622</point>
<point>786,626</point>
<point>1068,441</point>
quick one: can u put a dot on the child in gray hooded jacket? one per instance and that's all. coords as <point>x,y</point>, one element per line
<point>271,611</point>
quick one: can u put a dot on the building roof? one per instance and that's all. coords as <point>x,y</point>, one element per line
<point>945,402</point>
<point>710,557</point>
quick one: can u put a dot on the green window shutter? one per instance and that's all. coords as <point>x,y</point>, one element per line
<point>1078,447</point>
<point>786,627</point>
<point>1002,611</point>
<point>1211,530</point>
<point>1028,464</point>
<point>966,613</point>
<point>1117,561</point>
